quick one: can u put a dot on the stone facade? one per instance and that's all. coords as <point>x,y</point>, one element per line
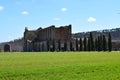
<point>44,39</point>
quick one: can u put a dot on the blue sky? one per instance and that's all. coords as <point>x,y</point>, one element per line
<point>84,15</point>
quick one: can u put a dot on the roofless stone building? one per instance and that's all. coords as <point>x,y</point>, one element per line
<point>47,39</point>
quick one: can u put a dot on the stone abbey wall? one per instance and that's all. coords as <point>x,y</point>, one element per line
<point>44,39</point>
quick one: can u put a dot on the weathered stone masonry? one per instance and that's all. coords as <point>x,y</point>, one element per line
<point>38,40</point>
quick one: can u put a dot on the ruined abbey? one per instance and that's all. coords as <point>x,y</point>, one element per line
<point>47,39</point>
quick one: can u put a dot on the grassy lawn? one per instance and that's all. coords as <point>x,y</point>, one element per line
<point>60,66</point>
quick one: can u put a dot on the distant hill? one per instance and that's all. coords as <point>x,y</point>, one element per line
<point>115,33</point>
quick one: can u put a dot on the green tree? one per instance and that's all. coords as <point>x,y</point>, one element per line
<point>71,46</point>
<point>101,43</point>
<point>104,43</point>
<point>96,44</point>
<point>85,44</point>
<point>109,42</point>
<point>81,45</point>
<point>91,42</point>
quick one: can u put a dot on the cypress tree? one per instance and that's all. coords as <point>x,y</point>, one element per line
<point>76,44</point>
<point>85,44</point>
<point>101,43</point>
<point>71,48</point>
<point>80,43</point>
<point>89,44</point>
<point>104,43</point>
<point>96,44</point>
<point>109,42</point>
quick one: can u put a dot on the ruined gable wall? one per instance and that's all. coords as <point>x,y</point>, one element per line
<point>63,33</point>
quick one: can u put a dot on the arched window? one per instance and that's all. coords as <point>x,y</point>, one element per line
<point>6,48</point>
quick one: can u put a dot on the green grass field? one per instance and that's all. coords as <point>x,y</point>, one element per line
<point>60,66</point>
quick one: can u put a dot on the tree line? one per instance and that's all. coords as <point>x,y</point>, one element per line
<point>99,43</point>
<point>91,43</point>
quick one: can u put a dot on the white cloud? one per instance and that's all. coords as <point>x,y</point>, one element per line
<point>25,13</point>
<point>57,19</point>
<point>1,8</point>
<point>63,9</point>
<point>91,19</point>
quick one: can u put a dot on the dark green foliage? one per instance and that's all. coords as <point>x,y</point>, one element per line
<point>81,45</point>
<point>109,42</point>
<point>101,43</point>
<point>104,43</point>
<point>96,44</point>
<point>71,46</point>
<point>76,44</point>
<point>85,44</point>
<point>91,42</point>
<point>89,46</point>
